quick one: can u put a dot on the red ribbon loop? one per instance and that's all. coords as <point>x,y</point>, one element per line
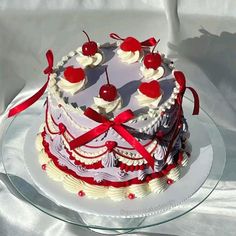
<point>196,103</point>
<point>180,78</point>
<point>24,105</point>
<point>117,125</point>
<point>49,56</point>
<point>116,36</point>
<point>124,117</point>
<point>149,42</point>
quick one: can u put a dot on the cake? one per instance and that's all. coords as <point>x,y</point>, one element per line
<point>114,125</point>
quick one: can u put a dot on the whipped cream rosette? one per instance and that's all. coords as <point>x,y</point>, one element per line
<point>109,98</point>
<point>92,61</point>
<point>74,80</point>
<point>131,50</point>
<point>108,106</point>
<point>89,54</point>
<point>150,73</point>
<point>149,94</point>
<point>152,68</point>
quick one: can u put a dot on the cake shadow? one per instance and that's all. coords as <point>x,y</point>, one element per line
<point>24,191</point>
<point>94,74</point>
<point>129,88</point>
<point>165,84</point>
<point>195,149</point>
<point>215,56</point>
<point>109,52</point>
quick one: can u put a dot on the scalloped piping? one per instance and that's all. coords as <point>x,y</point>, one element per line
<point>78,153</point>
<point>74,185</point>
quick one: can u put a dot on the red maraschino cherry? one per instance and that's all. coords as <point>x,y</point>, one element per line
<point>108,91</point>
<point>89,48</point>
<point>152,60</point>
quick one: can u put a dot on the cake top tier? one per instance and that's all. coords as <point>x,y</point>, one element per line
<point>112,77</point>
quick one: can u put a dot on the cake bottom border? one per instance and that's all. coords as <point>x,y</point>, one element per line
<point>82,188</point>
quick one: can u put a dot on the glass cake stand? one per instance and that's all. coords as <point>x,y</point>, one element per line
<point>13,139</point>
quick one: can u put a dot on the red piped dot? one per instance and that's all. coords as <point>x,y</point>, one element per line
<point>62,128</point>
<point>137,167</point>
<point>132,168</point>
<point>127,168</point>
<point>162,113</point>
<point>59,105</point>
<point>170,181</point>
<point>81,193</point>
<point>148,178</point>
<point>110,145</point>
<point>44,166</point>
<point>160,134</point>
<point>131,196</point>
<point>142,167</point>
<point>179,126</point>
<point>122,166</point>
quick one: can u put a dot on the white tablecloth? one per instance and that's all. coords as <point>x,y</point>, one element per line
<point>199,35</point>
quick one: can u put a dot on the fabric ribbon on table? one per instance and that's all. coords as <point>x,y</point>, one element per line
<point>117,125</point>
<point>24,105</point>
<point>147,43</point>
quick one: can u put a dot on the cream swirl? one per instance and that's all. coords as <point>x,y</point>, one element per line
<point>129,56</point>
<point>140,190</point>
<point>72,184</point>
<point>91,61</point>
<point>144,100</point>
<point>54,173</point>
<point>71,88</point>
<point>109,160</point>
<point>94,191</point>
<point>38,142</point>
<point>174,174</point>
<point>158,185</point>
<point>107,106</point>
<point>142,174</point>
<point>121,174</point>
<point>151,73</point>
<point>185,160</point>
<point>116,194</point>
<point>43,158</point>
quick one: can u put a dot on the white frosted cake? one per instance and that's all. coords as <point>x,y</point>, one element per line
<point>114,125</point>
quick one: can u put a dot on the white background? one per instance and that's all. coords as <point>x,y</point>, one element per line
<point>199,35</point>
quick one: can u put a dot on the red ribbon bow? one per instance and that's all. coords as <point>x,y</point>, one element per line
<point>117,125</point>
<point>147,43</point>
<point>24,105</point>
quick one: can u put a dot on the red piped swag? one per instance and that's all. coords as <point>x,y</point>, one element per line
<point>24,105</point>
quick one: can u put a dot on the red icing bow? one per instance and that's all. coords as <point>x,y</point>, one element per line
<point>132,44</point>
<point>24,105</point>
<point>117,125</point>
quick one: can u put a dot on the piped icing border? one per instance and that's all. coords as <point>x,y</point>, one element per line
<point>155,183</point>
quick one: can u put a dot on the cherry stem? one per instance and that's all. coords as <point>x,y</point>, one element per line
<point>86,35</point>
<point>155,45</point>
<point>108,82</point>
